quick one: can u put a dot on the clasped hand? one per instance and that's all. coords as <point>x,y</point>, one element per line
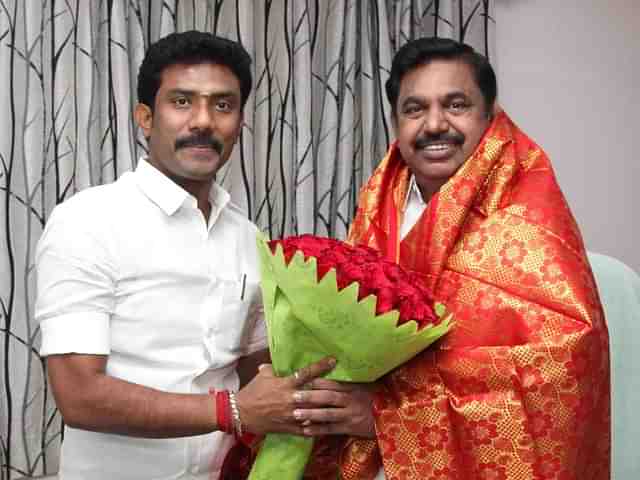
<point>305,404</point>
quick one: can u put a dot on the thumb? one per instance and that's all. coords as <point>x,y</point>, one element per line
<point>265,369</point>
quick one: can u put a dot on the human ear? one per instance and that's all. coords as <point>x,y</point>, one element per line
<point>144,118</point>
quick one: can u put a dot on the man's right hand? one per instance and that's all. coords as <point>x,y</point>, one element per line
<point>267,403</point>
<point>89,399</point>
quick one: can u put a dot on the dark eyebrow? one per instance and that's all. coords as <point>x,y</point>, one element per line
<point>456,94</point>
<point>447,98</point>
<point>193,93</point>
<point>413,99</point>
<point>179,91</point>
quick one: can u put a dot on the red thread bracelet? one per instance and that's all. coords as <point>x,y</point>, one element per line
<point>223,411</point>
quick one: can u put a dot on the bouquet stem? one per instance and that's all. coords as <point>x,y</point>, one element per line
<point>282,457</point>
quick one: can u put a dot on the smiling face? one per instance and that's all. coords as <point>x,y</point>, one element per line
<point>440,118</point>
<point>194,124</point>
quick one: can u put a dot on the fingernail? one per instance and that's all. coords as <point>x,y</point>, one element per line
<point>298,396</point>
<point>297,414</point>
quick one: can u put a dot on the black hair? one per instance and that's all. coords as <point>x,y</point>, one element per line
<point>192,47</point>
<point>422,51</point>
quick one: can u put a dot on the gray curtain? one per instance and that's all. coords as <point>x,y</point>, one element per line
<point>316,125</point>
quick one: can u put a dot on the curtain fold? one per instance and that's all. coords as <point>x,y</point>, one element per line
<point>316,125</point>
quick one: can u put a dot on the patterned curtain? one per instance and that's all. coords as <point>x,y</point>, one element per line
<point>316,125</point>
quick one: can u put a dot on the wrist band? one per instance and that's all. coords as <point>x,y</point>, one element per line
<point>235,413</point>
<point>223,411</point>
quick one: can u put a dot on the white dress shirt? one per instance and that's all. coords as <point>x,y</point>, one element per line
<point>132,270</point>
<point>413,207</point>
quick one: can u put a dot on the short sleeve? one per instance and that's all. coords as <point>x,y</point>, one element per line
<point>75,284</point>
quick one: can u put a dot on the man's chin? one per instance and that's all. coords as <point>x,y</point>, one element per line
<point>198,170</point>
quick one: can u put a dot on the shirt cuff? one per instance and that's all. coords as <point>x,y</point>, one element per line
<point>86,332</point>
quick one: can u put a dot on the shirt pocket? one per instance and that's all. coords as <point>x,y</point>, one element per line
<point>237,317</point>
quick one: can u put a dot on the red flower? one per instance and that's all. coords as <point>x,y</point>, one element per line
<point>347,273</point>
<point>387,298</point>
<point>394,287</point>
<point>394,271</point>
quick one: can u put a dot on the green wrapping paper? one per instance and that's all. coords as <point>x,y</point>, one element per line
<point>308,320</point>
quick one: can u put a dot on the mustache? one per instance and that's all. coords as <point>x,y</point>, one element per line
<point>202,139</point>
<point>450,137</point>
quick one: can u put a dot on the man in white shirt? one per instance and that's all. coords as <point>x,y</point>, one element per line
<point>148,295</point>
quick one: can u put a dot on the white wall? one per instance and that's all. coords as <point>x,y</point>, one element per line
<point>569,75</point>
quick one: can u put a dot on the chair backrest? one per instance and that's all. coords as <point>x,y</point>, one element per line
<point>619,289</point>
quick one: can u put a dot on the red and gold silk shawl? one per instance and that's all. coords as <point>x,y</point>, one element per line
<point>520,388</point>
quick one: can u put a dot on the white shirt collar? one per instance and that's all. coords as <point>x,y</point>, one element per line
<point>414,205</point>
<point>414,195</point>
<point>169,196</point>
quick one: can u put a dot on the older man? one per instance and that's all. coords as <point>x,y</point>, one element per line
<point>520,387</point>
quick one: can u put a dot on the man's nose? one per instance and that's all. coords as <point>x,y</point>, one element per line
<point>202,117</point>
<point>435,121</point>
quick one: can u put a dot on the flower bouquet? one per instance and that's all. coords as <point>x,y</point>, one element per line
<point>323,297</point>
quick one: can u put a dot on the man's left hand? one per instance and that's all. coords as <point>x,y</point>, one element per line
<point>330,408</point>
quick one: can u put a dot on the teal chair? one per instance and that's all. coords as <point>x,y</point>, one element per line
<point>619,288</point>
